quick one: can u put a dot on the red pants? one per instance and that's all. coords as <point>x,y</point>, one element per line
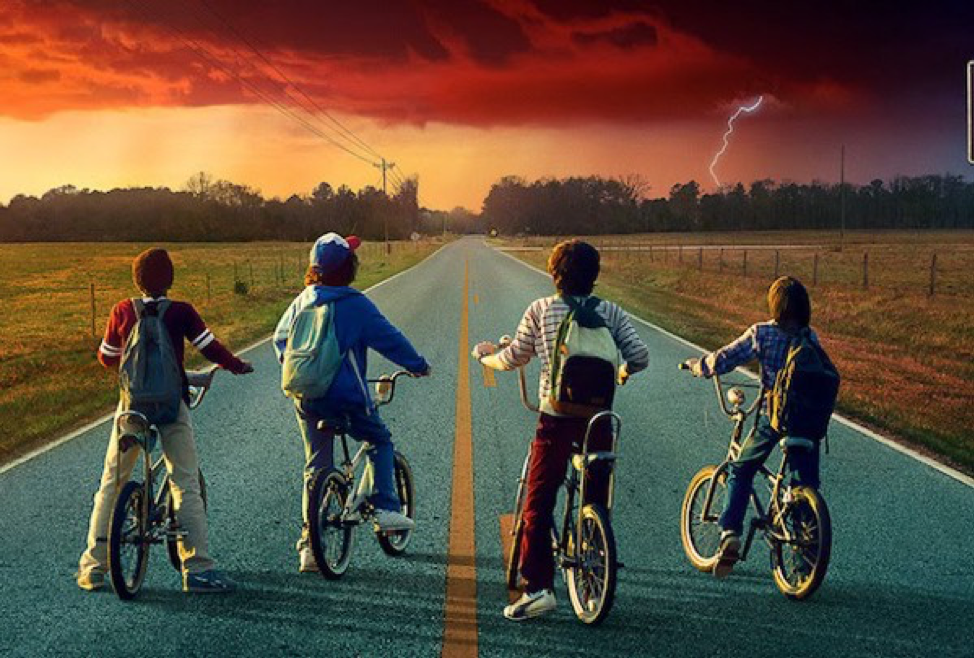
<point>555,441</point>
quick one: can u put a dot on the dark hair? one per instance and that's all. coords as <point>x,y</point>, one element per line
<point>574,266</point>
<point>343,275</point>
<point>789,303</point>
<point>152,272</point>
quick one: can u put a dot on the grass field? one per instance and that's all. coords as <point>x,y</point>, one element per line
<point>50,381</point>
<point>907,358</point>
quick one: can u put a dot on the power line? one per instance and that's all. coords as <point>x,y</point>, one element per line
<point>348,133</point>
<point>205,54</point>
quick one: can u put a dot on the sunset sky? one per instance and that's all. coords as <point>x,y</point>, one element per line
<point>109,93</point>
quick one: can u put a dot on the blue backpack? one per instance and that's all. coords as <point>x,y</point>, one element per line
<point>150,378</point>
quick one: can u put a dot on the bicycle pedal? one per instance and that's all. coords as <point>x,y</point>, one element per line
<point>620,564</point>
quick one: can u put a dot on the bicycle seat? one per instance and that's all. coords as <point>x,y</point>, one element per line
<point>339,426</point>
<point>581,462</point>
<point>796,442</point>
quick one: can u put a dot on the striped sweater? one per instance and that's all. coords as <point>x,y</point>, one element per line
<point>538,330</point>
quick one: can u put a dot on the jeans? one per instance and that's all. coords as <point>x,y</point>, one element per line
<point>319,450</point>
<point>803,464</point>
<point>556,439</point>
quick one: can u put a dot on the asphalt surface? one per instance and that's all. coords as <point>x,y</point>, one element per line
<point>901,582</point>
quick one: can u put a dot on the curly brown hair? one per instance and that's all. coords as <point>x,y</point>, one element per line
<point>574,266</point>
<point>343,275</point>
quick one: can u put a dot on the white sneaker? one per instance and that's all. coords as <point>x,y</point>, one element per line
<point>390,521</point>
<point>728,554</point>
<point>306,559</point>
<point>531,604</point>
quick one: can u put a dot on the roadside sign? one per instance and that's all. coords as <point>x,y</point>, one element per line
<point>970,112</point>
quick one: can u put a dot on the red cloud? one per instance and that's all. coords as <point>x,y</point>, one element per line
<point>463,63</point>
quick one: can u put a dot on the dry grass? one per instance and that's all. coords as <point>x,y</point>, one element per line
<point>907,359</point>
<point>50,381</point>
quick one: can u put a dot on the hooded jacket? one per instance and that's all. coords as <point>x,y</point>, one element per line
<point>359,325</point>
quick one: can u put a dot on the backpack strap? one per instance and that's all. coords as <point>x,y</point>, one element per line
<point>139,307</point>
<point>162,307</point>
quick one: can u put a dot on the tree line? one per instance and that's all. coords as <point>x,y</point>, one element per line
<point>208,210</point>
<point>596,205</point>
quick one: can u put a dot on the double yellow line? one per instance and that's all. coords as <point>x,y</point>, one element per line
<point>460,610</point>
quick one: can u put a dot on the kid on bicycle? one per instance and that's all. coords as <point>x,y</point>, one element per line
<point>574,267</point>
<point>152,272</point>
<point>359,325</point>
<point>768,342</point>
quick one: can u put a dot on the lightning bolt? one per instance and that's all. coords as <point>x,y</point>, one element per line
<point>730,130</point>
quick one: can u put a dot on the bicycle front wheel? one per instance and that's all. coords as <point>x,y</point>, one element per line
<point>514,556</point>
<point>701,534</point>
<point>128,542</point>
<point>331,536</point>
<point>800,564</point>
<point>172,542</point>
<point>591,576</point>
<point>395,543</point>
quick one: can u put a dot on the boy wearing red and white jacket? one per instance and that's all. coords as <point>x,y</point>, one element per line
<point>152,272</point>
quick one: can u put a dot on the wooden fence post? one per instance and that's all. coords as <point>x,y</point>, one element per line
<point>700,259</point>
<point>815,271</point>
<point>207,287</point>
<point>93,334</point>
<point>650,253</point>
<point>252,286</point>
<point>777,261</point>
<point>865,270</point>
<point>933,274</point>
<point>236,277</point>
<point>681,253</point>
<point>720,260</point>
<point>745,263</point>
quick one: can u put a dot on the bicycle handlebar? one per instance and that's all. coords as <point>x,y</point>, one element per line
<point>718,388</point>
<point>199,384</point>
<point>387,384</point>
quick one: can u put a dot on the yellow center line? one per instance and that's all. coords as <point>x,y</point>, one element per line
<point>460,608</point>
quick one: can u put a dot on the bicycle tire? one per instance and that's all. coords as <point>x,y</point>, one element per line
<point>331,538</point>
<point>514,556</point>
<point>591,580</point>
<point>127,530</point>
<point>172,544</point>
<point>701,539</point>
<point>395,543</point>
<point>807,515</point>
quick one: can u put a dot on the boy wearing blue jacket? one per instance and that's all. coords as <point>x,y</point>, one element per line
<point>359,325</point>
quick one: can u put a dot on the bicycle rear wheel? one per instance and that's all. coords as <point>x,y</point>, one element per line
<point>799,565</point>
<point>591,578</point>
<point>331,537</point>
<point>172,543</point>
<point>128,542</point>
<point>701,537</point>
<point>395,543</point>
<point>514,556</point>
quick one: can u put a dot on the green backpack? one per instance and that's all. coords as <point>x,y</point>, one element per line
<point>312,357</point>
<point>150,378</point>
<point>805,390</point>
<point>585,362</point>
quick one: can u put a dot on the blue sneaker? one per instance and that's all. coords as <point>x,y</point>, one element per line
<point>208,582</point>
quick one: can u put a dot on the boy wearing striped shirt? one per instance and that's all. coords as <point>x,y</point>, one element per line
<point>152,272</point>
<point>574,267</point>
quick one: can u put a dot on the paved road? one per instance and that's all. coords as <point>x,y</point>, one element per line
<point>901,582</point>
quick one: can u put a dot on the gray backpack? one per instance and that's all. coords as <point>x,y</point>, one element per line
<point>150,378</point>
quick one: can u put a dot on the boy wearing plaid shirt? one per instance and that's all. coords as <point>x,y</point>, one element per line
<point>768,342</point>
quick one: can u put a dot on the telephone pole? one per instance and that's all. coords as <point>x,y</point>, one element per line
<point>385,166</point>
<point>842,199</point>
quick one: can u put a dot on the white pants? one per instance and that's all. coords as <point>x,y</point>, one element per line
<point>179,452</point>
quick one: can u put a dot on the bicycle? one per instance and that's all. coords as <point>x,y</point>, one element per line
<point>337,506</point>
<point>796,524</point>
<point>589,573</point>
<point>144,512</point>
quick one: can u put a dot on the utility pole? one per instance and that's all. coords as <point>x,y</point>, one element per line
<point>385,166</point>
<point>842,199</point>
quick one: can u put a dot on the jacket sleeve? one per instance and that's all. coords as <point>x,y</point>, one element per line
<point>630,344</point>
<point>735,354</point>
<point>521,349</point>
<point>380,335</point>
<point>283,329</point>
<point>112,345</point>
<point>203,339</point>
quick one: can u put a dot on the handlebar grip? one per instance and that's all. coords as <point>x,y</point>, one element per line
<point>684,366</point>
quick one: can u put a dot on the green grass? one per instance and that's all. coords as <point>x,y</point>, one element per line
<point>50,381</point>
<point>907,359</point>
